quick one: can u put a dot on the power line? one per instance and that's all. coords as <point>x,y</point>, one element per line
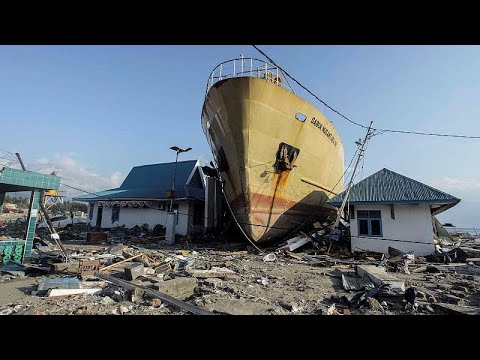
<point>356,123</point>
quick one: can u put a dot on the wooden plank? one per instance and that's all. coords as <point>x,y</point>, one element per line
<point>68,292</point>
<point>295,256</point>
<point>121,262</point>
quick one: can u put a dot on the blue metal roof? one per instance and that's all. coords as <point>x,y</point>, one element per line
<point>388,187</point>
<point>152,182</point>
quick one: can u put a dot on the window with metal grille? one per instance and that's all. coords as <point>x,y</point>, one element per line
<point>369,222</point>
<point>115,214</point>
<point>90,213</point>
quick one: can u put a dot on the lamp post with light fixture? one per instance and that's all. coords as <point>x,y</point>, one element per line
<point>178,150</point>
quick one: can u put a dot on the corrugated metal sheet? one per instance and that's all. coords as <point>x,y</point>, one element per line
<point>152,182</point>
<point>386,186</point>
<point>357,283</point>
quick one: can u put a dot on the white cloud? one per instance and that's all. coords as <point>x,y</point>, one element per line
<point>459,184</point>
<point>75,174</point>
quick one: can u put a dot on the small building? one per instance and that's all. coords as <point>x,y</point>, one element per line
<point>387,209</point>
<point>144,198</point>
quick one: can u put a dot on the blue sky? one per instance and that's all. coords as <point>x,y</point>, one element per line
<point>94,112</point>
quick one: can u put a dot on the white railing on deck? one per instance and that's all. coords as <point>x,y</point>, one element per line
<point>247,67</point>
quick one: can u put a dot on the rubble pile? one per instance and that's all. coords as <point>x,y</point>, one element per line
<point>132,271</point>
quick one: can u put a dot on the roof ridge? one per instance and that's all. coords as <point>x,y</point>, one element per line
<point>167,163</point>
<point>416,181</point>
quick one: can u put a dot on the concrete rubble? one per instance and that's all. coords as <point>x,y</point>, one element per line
<point>138,273</point>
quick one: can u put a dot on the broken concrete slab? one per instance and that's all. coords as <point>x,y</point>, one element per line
<point>379,276</point>
<point>180,288</point>
<point>71,267</point>
<point>214,272</point>
<point>239,307</point>
<point>59,283</point>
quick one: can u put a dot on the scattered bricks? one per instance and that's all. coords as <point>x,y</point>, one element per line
<point>134,270</point>
<point>180,288</point>
<point>96,237</point>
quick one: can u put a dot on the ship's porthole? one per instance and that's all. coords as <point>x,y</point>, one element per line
<point>300,117</point>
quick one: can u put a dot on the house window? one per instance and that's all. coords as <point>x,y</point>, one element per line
<point>369,222</point>
<point>90,213</point>
<point>115,214</point>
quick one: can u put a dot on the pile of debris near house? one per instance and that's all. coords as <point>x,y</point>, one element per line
<point>132,271</point>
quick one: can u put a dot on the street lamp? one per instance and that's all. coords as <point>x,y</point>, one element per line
<point>178,150</point>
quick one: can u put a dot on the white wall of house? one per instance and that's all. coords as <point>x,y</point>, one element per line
<point>412,224</point>
<point>151,216</point>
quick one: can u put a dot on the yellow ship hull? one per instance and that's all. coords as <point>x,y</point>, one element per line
<point>248,122</point>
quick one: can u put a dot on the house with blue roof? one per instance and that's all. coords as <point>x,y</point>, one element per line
<point>145,194</point>
<point>389,209</point>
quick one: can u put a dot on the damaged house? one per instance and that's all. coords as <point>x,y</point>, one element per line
<point>389,209</point>
<point>144,198</point>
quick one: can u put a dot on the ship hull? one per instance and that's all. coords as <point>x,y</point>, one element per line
<point>248,122</point>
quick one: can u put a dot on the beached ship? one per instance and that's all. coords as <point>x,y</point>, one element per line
<point>279,157</point>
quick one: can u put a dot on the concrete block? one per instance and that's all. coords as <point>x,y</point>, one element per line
<point>214,282</point>
<point>379,276</point>
<point>180,288</point>
<point>134,270</point>
<point>71,267</point>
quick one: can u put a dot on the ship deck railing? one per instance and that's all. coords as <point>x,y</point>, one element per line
<point>248,67</point>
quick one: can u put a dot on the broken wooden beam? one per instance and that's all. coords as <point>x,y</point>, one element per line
<point>68,292</point>
<point>121,262</point>
<point>155,294</point>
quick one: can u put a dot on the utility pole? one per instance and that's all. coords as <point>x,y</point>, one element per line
<point>335,233</point>
<point>350,184</point>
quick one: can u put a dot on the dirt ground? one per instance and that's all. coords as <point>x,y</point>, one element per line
<point>281,287</point>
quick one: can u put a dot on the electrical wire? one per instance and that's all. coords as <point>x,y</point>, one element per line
<point>356,123</point>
